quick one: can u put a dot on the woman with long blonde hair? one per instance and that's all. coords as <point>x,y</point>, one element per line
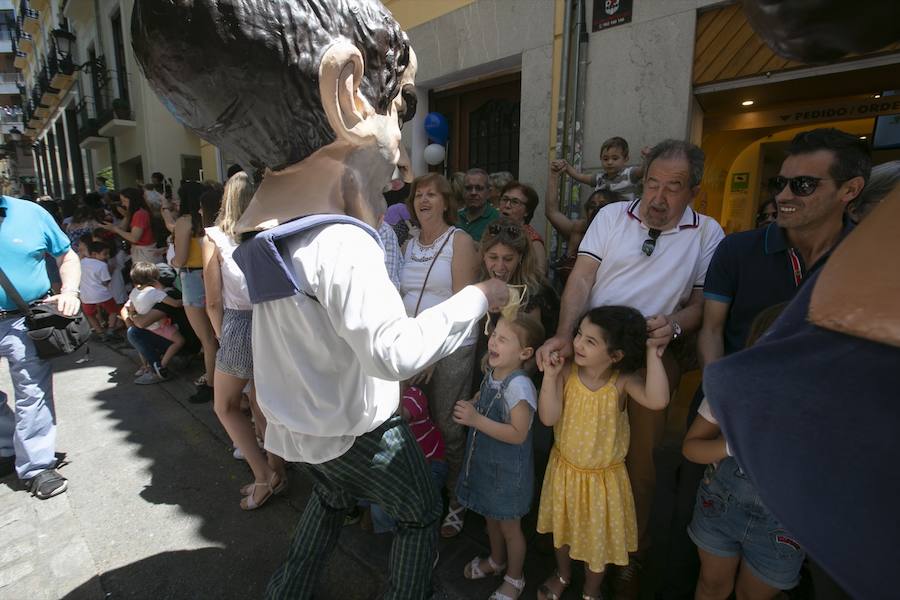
<point>230,311</point>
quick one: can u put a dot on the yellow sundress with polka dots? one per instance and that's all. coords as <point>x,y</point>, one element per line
<point>586,501</point>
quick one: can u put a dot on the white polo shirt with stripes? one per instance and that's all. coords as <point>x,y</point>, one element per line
<point>659,284</point>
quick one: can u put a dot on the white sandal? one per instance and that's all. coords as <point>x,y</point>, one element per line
<point>473,569</point>
<point>453,521</point>
<point>518,584</point>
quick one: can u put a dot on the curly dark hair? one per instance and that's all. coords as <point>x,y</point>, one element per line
<point>624,329</point>
<point>244,74</point>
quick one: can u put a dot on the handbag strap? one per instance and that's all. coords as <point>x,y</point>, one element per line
<point>431,266</point>
<point>13,294</point>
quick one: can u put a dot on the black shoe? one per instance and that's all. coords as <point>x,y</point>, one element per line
<point>7,465</point>
<point>161,372</point>
<point>204,394</point>
<point>47,484</point>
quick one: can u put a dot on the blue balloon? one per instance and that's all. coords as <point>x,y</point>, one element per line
<point>437,128</point>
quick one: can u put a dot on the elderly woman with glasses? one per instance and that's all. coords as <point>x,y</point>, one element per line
<point>518,201</point>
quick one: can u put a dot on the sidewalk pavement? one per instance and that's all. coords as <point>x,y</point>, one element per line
<point>152,506</point>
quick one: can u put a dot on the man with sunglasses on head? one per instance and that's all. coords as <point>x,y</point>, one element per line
<point>474,218</point>
<point>652,254</point>
<point>752,270</point>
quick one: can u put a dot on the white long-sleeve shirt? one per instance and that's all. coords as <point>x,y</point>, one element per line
<point>327,369</point>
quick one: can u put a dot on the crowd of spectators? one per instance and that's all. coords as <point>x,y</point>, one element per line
<point>554,407</point>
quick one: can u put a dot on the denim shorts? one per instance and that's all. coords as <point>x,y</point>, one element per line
<point>192,291</point>
<point>731,520</point>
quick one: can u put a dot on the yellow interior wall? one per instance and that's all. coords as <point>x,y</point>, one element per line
<point>730,152</point>
<point>208,159</point>
<point>410,13</point>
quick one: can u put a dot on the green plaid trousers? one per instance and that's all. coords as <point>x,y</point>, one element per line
<point>385,467</point>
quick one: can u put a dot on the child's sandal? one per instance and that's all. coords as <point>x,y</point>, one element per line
<point>473,569</point>
<point>518,584</point>
<point>544,591</point>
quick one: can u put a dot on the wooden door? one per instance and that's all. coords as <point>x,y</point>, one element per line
<point>483,118</point>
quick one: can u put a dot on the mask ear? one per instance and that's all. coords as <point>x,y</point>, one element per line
<point>340,74</point>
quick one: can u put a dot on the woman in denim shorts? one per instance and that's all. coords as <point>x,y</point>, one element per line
<point>734,531</point>
<point>188,259</point>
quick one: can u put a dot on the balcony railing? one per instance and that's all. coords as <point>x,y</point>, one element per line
<point>29,18</point>
<point>24,40</point>
<point>86,118</point>
<point>10,117</point>
<point>15,78</point>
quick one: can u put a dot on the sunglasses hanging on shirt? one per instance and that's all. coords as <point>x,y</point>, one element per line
<point>650,243</point>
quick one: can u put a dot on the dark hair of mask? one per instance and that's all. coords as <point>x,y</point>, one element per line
<point>195,56</point>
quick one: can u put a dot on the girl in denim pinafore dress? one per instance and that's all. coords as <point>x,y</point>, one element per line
<point>498,470</point>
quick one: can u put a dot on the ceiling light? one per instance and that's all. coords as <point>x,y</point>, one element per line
<point>862,137</point>
<point>747,103</point>
<point>877,96</point>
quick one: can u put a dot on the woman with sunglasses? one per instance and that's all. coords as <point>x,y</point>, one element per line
<point>438,261</point>
<point>518,202</point>
<point>507,253</point>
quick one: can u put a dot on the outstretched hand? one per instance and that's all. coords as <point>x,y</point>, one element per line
<point>496,292</point>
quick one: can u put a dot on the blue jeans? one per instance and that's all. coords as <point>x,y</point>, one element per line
<point>30,431</point>
<point>148,344</point>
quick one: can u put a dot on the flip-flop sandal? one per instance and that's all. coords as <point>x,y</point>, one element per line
<point>473,569</point>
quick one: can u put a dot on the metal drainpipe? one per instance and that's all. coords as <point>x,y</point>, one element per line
<point>577,130</point>
<point>562,116</point>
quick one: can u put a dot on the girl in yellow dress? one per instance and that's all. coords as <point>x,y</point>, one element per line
<point>586,500</point>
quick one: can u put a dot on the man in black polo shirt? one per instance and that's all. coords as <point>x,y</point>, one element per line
<point>752,270</point>
<point>825,169</point>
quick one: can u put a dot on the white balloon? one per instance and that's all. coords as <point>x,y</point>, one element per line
<point>435,154</point>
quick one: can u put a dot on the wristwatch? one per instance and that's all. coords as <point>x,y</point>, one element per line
<point>676,330</point>
<point>76,292</point>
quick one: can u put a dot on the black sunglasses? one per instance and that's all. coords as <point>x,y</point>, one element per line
<point>513,230</point>
<point>802,185</point>
<point>650,243</point>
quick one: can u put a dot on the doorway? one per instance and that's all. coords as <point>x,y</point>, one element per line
<point>483,118</point>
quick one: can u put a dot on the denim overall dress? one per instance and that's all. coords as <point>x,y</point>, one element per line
<point>497,480</point>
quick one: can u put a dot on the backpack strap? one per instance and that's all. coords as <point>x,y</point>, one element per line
<point>265,261</point>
